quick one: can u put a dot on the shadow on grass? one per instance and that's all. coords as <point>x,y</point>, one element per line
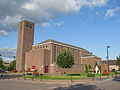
<point>78,87</point>
<point>9,76</point>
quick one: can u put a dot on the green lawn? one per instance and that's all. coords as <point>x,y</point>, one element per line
<point>66,76</point>
<point>96,74</point>
<point>59,77</point>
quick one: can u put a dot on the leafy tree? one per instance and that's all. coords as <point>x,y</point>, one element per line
<point>118,61</point>
<point>65,59</point>
<point>86,69</point>
<point>99,68</point>
<point>90,67</point>
<point>1,63</point>
<point>12,65</point>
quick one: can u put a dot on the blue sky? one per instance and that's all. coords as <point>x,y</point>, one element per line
<point>92,26</point>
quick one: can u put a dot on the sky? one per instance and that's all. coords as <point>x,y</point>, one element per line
<point>90,24</point>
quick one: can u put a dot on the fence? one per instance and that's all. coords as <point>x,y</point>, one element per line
<point>63,77</point>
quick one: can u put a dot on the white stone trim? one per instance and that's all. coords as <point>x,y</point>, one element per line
<point>88,57</point>
<point>62,45</point>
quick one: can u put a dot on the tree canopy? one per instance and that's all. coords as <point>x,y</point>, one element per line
<point>65,59</point>
<point>1,63</point>
<point>12,65</point>
<point>118,61</point>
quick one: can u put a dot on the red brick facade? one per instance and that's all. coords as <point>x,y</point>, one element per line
<point>43,55</point>
<point>25,42</point>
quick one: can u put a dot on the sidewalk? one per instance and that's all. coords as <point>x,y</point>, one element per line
<point>80,81</point>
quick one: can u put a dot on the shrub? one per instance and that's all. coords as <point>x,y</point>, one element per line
<point>105,73</point>
<point>113,70</point>
<point>91,75</point>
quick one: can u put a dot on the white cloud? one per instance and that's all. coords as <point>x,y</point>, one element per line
<point>97,13</point>
<point>112,12</point>
<point>3,32</point>
<point>59,23</point>
<point>38,11</point>
<point>45,24</point>
<point>8,52</point>
<point>97,2</point>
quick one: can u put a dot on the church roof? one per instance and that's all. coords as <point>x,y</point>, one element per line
<point>88,56</point>
<point>61,43</point>
<point>111,62</point>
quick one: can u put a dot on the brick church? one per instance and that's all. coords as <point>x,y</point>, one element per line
<point>42,57</point>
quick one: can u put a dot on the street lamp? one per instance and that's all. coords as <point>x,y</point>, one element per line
<point>108,59</point>
<point>14,57</point>
<point>14,61</point>
<point>0,58</point>
<point>0,55</point>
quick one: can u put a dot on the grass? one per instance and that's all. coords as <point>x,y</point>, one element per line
<point>96,74</point>
<point>59,77</point>
<point>67,76</point>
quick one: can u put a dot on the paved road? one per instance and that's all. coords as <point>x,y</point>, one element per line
<point>113,84</point>
<point>6,84</point>
<point>110,85</point>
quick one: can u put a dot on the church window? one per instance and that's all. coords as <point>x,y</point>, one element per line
<point>30,25</point>
<point>27,25</point>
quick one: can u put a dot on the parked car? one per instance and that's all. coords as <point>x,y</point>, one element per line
<point>2,70</point>
<point>13,70</point>
<point>36,73</point>
<point>117,72</point>
<point>28,73</point>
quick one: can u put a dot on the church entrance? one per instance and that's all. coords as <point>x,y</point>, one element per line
<point>46,69</point>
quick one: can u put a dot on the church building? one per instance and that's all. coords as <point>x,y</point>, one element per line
<point>42,57</point>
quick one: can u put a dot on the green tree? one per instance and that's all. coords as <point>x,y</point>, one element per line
<point>65,59</point>
<point>99,68</point>
<point>1,63</point>
<point>90,67</point>
<point>86,69</point>
<point>118,61</point>
<point>12,65</point>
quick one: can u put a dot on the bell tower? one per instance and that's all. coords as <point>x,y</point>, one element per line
<point>25,42</point>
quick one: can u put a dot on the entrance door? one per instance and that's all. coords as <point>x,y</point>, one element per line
<point>46,69</point>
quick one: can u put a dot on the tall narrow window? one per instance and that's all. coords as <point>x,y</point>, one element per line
<point>27,25</point>
<point>30,25</point>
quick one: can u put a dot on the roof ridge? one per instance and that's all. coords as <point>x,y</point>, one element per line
<point>61,43</point>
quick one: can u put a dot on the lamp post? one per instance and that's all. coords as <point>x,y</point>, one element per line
<point>108,59</point>
<point>14,60</point>
<point>14,57</point>
<point>0,55</point>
